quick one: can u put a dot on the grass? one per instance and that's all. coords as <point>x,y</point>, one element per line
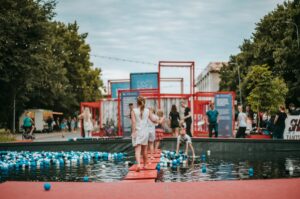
<point>6,136</point>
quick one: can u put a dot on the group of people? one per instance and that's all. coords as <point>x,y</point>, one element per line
<point>273,123</point>
<point>60,125</point>
<point>147,130</point>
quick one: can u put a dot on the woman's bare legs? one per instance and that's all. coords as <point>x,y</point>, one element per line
<point>145,155</point>
<point>157,145</point>
<point>138,157</point>
<point>176,132</point>
<point>151,146</point>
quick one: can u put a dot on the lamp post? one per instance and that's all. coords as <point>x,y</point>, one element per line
<point>240,89</point>
<point>297,30</point>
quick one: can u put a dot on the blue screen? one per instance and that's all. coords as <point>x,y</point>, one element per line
<point>118,86</point>
<point>223,104</point>
<point>144,80</point>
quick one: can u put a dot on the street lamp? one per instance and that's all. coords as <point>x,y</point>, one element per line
<point>297,30</point>
<point>240,89</point>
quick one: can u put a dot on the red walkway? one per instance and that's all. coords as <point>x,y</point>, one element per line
<point>257,189</point>
<point>149,173</point>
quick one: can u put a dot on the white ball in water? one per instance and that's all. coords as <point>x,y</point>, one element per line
<point>291,169</point>
<point>103,166</point>
<point>75,139</point>
<point>208,152</point>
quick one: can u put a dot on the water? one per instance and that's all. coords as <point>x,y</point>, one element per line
<point>234,167</point>
<point>96,168</point>
<point>113,171</point>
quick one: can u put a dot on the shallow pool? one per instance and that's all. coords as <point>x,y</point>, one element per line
<point>233,167</point>
<point>74,167</point>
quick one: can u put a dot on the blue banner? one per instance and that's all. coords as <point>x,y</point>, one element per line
<point>144,80</point>
<point>223,104</point>
<point>126,99</point>
<point>115,86</point>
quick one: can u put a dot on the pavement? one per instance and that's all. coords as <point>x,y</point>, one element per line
<point>53,136</point>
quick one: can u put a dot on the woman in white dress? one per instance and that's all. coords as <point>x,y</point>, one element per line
<point>87,121</point>
<point>140,133</point>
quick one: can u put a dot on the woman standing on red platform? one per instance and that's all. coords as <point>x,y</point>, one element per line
<point>140,133</point>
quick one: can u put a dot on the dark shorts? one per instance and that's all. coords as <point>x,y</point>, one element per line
<point>174,125</point>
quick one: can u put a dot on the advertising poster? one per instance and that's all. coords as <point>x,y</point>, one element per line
<point>223,104</point>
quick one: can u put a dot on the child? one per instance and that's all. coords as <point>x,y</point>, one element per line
<point>159,131</point>
<point>184,138</point>
<point>151,129</point>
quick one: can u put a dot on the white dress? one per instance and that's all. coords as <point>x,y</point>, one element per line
<point>87,124</point>
<point>151,128</point>
<point>142,133</point>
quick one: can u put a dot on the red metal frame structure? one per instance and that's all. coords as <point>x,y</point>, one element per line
<point>111,81</point>
<point>166,79</point>
<point>180,64</point>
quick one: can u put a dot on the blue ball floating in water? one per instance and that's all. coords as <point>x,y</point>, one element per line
<point>251,172</point>
<point>47,186</point>
<point>85,179</point>
<point>174,162</point>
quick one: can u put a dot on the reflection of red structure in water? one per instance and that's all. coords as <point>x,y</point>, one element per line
<point>198,102</point>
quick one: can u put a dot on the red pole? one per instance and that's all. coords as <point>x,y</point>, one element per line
<point>159,84</point>
<point>119,114</point>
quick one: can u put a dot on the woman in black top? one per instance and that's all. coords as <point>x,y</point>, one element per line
<point>174,118</point>
<point>279,123</point>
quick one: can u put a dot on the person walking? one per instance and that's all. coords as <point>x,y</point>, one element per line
<point>87,121</point>
<point>279,123</point>
<point>242,123</point>
<point>212,120</point>
<point>174,118</point>
<point>140,133</point>
<point>187,118</point>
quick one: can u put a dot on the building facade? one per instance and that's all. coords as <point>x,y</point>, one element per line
<point>208,80</point>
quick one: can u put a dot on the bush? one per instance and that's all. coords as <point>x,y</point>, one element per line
<point>6,136</point>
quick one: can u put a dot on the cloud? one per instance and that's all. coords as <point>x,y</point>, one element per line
<point>156,30</point>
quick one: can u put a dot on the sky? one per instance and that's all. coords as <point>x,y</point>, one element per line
<point>162,30</point>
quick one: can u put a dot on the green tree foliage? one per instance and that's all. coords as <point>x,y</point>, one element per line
<point>43,63</point>
<point>266,92</point>
<point>274,43</point>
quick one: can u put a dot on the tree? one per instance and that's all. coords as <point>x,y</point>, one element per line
<point>274,43</point>
<point>43,63</point>
<point>266,91</point>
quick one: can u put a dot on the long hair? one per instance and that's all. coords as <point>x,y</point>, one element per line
<point>174,108</point>
<point>141,103</point>
<point>160,113</point>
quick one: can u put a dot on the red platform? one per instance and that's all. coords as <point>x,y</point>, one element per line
<point>143,174</point>
<point>155,160</point>
<point>246,189</point>
<point>149,167</point>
